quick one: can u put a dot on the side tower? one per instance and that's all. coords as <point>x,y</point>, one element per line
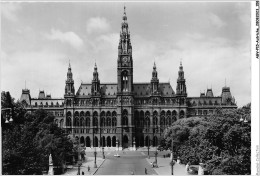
<point>125,87</point>
<point>181,85</point>
<point>181,93</point>
<point>69,97</point>
<point>95,88</point>
<point>154,82</point>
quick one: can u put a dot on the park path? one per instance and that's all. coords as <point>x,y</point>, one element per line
<point>84,168</point>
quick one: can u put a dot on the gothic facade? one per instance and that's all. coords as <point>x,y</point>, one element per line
<point>125,113</point>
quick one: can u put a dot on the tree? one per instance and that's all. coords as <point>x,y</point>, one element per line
<point>221,141</point>
<point>28,141</point>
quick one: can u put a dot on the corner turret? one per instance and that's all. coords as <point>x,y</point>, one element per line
<point>26,97</point>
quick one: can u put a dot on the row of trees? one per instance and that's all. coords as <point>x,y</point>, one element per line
<point>30,138</point>
<point>222,141</point>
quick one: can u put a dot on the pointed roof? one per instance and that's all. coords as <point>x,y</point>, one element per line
<point>124,16</point>
<point>154,65</point>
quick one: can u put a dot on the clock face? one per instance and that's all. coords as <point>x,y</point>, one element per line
<point>125,59</point>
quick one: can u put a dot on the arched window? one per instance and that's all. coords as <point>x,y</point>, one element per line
<point>95,119</point>
<point>87,121</point>
<point>147,122</point>
<point>76,116</point>
<point>147,119</point>
<point>82,121</point>
<point>174,116</point>
<point>162,118</point>
<point>81,114</point>
<point>124,81</point>
<point>168,118</point>
<point>87,118</point>
<point>61,123</point>
<point>108,118</point>
<point>108,121</point>
<point>155,118</point>
<point>77,122</point>
<point>68,119</point>
<point>102,119</point>
<point>114,120</point>
<point>125,118</point>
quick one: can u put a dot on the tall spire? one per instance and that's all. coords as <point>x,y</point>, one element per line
<point>181,85</point>
<point>124,46</point>
<point>95,73</point>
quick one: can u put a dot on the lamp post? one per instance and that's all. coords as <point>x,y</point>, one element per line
<point>79,159</point>
<point>156,153</point>
<point>7,115</point>
<point>243,119</point>
<point>148,148</point>
<point>103,152</point>
<point>95,162</point>
<point>172,161</point>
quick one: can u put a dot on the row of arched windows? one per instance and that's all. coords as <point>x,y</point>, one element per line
<point>49,104</point>
<point>142,119</point>
<point>108,119</point>
<point>204,103</point>
<point>83,119</point>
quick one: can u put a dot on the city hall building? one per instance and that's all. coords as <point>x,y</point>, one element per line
<point>124,113</point>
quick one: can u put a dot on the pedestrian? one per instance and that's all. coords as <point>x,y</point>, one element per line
<point>82,173</point>
<point>88,168</point>
<point>145,171</point>
<point>187,167</point>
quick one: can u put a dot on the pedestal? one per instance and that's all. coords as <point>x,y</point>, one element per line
<point>201,169</point>
<point>50,172</point>
<point>134,148</point>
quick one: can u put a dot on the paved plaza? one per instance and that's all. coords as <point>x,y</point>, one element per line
<point>129,163</point>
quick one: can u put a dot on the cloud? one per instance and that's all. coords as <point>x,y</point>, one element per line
<point>97,25</point>
<point>8,10</point>
<point>66,37</point>
<point>37,68</point>
<point>216,21</point>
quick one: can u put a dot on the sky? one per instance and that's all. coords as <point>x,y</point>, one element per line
<point>211,39</point>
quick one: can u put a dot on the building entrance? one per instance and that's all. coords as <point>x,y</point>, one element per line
<point>125,141</point>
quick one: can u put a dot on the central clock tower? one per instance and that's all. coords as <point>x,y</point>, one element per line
<point>125,107</point>
<point>125,61</point>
